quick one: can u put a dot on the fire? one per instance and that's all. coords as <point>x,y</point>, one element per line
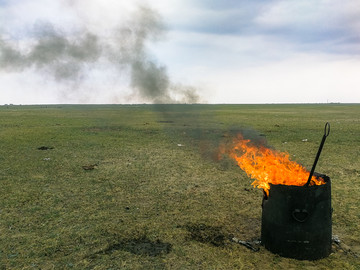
<point>269,166</point>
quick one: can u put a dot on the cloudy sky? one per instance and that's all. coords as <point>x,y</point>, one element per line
<point>232,51</point>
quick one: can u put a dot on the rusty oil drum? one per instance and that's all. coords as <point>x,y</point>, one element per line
<point>296,221</point>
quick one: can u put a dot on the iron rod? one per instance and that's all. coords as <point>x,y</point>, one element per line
<point>326,133</point>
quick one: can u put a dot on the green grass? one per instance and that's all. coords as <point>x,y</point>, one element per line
<point>148,193</point>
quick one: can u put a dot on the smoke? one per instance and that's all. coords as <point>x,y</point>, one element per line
<point>225,144</point>
<point>148,79</point>
<point>68,57</point>
<point>151,81</point>
<point>52,53</point>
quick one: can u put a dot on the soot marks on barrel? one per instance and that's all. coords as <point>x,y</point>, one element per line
<point>140,246</point>
<point>207,234</point>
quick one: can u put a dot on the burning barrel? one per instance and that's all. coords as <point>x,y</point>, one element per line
<point>296,208</point>
<point>296,220</point>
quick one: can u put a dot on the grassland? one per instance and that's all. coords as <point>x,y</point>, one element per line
<point>156,199</point>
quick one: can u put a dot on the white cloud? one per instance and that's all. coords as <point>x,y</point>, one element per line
<point>303,78</point>
<point>311,21</point>
<point>19,17</point>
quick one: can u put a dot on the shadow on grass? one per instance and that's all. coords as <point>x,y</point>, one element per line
<point>208,234</point>
<point>139,246</point>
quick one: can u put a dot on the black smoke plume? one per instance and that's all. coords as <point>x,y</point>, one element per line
<point>67,58</point>
<point>52,53</point>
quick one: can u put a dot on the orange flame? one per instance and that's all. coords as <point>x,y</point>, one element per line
<point>269,166</point>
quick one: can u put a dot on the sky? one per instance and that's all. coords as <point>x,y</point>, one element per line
<point>179,51</point>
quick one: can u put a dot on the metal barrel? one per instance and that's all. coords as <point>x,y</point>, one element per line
<point>296,220</point>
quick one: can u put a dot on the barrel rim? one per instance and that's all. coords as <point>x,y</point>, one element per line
<point>325,177</point>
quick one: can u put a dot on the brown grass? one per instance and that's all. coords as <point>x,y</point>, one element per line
<point>156,198</point>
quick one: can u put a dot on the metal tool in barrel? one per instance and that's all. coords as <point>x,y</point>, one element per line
<point>326,133</point>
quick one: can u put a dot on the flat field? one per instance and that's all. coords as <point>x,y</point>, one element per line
<point>139,186</point>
